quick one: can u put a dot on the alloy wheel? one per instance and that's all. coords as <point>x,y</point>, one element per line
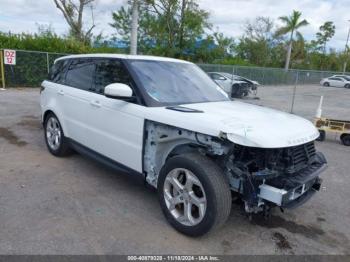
<point>185,197</point>
<point>53,133</point>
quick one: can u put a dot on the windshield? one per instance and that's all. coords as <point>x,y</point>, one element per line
<point>174,83</point>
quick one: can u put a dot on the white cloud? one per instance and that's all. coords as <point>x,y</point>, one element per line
<point>229,15</point>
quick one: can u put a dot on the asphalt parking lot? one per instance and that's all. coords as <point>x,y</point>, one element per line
<point>73,205</point>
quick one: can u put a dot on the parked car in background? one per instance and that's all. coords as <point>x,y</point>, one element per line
<point>233,86</point>
<point>335,81</point>
<point>346,77</point>
<point>252,84</point>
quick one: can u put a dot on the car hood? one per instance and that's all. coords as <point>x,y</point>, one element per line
<point>241,123</point>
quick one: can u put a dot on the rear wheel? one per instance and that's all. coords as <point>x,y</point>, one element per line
<point>194,194</point>
<point>345,138</point>
<point>322,135</point>
<point>325,84</point>
<point>347,86</point>
<point>54,137</point>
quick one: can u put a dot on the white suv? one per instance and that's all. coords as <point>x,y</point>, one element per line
<point>166,121</point>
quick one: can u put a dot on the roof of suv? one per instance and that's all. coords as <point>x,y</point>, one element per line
<point>128,57</point>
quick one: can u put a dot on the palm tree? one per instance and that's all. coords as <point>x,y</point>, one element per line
<point>291,25</point>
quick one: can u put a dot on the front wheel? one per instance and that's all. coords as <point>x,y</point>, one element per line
<point>325,84</point>
<point>194,194</point>
<point>347,86</point>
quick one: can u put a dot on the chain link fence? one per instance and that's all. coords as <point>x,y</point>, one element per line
<point>30,69</point>
<point>294,91</point>
<point>271,76</point>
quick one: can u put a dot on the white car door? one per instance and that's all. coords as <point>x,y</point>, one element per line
<point>114,127</point>
<point>74,96</point>
<point>336,82</point>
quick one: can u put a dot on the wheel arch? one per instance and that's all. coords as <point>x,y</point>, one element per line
<point>163,142</point>
<point>59,117</point>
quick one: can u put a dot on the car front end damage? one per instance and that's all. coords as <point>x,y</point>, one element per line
<point>262,177</point>
<point>284,177</point>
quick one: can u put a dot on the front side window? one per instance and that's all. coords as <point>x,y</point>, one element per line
<point>80,74</point>
<point>171,83</point>
<point>109,71</point>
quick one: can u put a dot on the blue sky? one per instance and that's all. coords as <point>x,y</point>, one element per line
<point>228,15</point>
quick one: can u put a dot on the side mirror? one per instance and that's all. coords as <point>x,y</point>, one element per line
<point>118,90</point>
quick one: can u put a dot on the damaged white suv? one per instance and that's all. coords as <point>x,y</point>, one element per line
<point>167,121</point>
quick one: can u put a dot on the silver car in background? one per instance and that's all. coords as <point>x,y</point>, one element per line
<point>234,85</point>
<point>336,81</point>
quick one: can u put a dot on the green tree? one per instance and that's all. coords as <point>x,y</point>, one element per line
<point>166,27</point>
<point>291,24</point>
<point>73,14</point>
<point>327,31</point>
<point>258,43</point>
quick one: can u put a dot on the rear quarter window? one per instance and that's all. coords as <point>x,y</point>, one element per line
<point>58,71</point>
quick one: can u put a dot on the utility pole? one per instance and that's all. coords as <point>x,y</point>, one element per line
<point>134,26</point>
<point>346,51</point>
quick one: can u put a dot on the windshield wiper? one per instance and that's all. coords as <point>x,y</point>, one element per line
<point>184,109</point>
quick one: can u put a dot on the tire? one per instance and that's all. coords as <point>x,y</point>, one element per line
<point>60,146</point>
<point>235,89</point>
<point>347,86</point>
<point>325,84</point>
<point>322,135</point>
<point>345,139</point>
<point>209,187</point>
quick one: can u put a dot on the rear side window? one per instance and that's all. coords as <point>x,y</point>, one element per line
<point>57,71</point>
<point>110,71</point>
<point>80,74</point>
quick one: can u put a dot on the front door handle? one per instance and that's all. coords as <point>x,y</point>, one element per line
<point>60,92</point>
<point>95,103</point>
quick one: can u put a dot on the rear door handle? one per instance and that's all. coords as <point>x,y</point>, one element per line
<point>95,103</point>
<point>60,92</point>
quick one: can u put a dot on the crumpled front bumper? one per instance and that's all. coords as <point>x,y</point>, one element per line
<point>299,187</point>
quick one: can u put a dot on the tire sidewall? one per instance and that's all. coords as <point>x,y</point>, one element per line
<point>210,214</point>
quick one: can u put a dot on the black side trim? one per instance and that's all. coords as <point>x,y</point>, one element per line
<point>110,163</point>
